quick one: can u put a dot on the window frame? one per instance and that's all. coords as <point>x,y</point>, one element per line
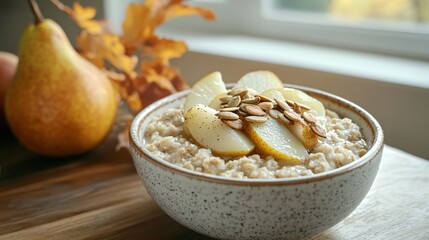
<point>371,37</point>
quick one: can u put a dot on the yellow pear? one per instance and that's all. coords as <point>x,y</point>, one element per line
<point>300,129</point>
<point>58,104</point>
<point>273,139</point>
<point>205,90</point>
<point>259,81</point>
<point>210,132</point>
<point>317,108</point>
<point>216,103</point>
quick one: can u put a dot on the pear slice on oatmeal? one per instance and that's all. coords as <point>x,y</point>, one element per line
<point>211,132</point>
<point>300,128</point>
<point>205,90</point>
<point>273,139</point>
<point>259,81</point>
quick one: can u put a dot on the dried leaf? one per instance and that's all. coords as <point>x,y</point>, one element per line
<point>83,16</point>
<point>179,82</point>
<point>165,10</point>
<point>179,10</point>
<point>135,26</point>
<point>91,48</point>
<point>114,76</point>
<point>104,46</point>
<point>123,140</point>
<point>153,92</point>
<point>123,136</point>
<point>83,13</point>
<point>134,101</point>
<point>164,49</point>
<point>141,20</point>
<point>156,81</point>
<point>115,53</point>
<point>156,72</point>
<point>90,26</point>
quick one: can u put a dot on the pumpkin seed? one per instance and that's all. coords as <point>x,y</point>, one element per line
<point>225,99</point>
<point>243,93</point>
<point>309,117</point>
<point>234,102</point>
<point>283,105</point>
<point>247,95</point>
<point>242,113</point>
<point>318,130</point>
<point>264,98</point>
<point>274,113</point>
<point>254,110</point>
<point>292,116</point>
<point>228,115</point>
<point>255,100</point>
<point>229,109</point>
<point>304,107</point>
<point>256,119</point>
<point>238,91</point>
<point>290,103</point>
<point>297,108</point>
<point>235,124</point>
<point>266,106</point>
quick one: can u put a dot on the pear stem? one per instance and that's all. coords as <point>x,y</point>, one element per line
<point>38,17</point>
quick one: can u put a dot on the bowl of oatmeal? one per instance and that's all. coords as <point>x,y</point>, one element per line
<point>292,171</point>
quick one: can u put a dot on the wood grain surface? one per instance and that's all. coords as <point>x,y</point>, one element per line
<point>99,196</point>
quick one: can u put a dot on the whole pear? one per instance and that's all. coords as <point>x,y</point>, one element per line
<point>58,104</point>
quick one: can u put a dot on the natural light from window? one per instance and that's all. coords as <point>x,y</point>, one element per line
<point>400,15</point>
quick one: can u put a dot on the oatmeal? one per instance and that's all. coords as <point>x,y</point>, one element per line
<point>166,138</point>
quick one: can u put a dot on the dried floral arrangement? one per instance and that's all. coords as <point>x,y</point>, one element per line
<point>138,61</point>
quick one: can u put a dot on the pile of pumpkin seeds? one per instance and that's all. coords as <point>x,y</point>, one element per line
<point>240,106</point>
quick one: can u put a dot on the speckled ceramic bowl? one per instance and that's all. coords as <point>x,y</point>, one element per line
<point>256,208</point>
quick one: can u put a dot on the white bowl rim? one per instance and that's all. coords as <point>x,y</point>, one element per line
<point>375,148</point>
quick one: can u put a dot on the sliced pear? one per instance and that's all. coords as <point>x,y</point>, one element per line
<point>304,133</point>
<point>303,98</point>
<point>215,103</point>
<point>210,132</point>
<point>317,108</point>
<point>301,130</point>
<point>260,81</point>
<point>273,93</point>
<point>273,139</point>
<point>205,90</point>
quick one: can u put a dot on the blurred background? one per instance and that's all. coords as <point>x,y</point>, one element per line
<point>373,52</point>
<point>16,15</point>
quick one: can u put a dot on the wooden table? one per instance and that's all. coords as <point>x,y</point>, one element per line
<point>99,196</point>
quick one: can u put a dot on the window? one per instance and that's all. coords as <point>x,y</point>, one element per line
<point>397,27</point>
<point>401,15</point>
<point>393,27</point>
